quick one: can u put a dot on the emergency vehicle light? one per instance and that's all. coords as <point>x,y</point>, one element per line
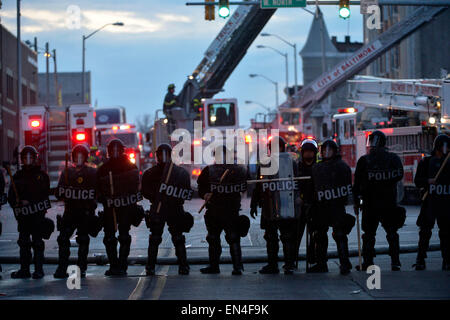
<point>125,126</point>
<point>196,172</point>
<point>197,142</point>
<point>248,138</point>
<point>348,110</point>
<point>35,124</point>
<point>115,128</point>
<point>80,137</point>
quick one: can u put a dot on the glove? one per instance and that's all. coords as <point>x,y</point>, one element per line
<point>253,212</point>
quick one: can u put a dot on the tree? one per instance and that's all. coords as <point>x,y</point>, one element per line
<point>144,123</point>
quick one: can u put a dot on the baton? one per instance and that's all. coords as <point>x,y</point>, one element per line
<point>220,182</point>
<point>169,173</point>
<point>307,247</point>
<point>279,179</point>
<point>438,174</point>
<point>66,178</point>
<point>358,230</point>
<point>112,195</point>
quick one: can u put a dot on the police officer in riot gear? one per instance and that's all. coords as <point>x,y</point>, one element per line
<point>332,185</point>
<point>308,156</point>
<point>216,185</point>
<point>30,205</point>
<point>376,178</point>
<point>76,187</point>
<point>120,207</point>
<point>158,185</point>
<point>278,213</point>
<point>3,198</point>
<point>435,207</point>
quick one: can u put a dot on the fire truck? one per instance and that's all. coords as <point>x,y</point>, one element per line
<point>54,131</point>
<point>409,112</point>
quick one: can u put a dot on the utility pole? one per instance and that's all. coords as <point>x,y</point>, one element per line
<point>19,61</point>
<point>47,54</point>
<point>56,80</point>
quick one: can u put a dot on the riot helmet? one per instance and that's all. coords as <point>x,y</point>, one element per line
<point>28,156</point>
<point>281,143</point>
<point>309,145</point>
<point>376,139</point>
<point>164,153</point>
<point>80,154</point>
<point>441,143</point>
<point>329,150</point>
<point>115,148</point>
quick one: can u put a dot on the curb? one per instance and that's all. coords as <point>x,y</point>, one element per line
<point>101,259</point>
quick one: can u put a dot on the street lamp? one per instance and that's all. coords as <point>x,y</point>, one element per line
<point>287,67</point>
<point>293,45</point>
<point>120,24</point>
<point>274,82</point>
<point>260,104</point>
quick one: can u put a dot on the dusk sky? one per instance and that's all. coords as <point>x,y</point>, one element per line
<point>162,42</point>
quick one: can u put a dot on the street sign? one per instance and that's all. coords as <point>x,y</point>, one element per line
<point>270,4</point>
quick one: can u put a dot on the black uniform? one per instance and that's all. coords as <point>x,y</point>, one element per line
<point>307,208</point>
<point>434,208</point>
<point>376,178</point>
<point>332,185</point>
<point>79,212</point>
<point>33,186</point>
<point>3,199</point>
<point>272,221</point>
<point>123,203</point>
<point>222,213</point>
<point>170,201</point>
<point>170,101</point>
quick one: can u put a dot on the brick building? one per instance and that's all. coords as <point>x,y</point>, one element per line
<point>9,109</point>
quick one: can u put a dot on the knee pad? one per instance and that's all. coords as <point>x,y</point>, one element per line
<point>178,239</point>
<point>213,239</point>
<point>154,239</point>
<point>24,242</point>
<point>392,236</point>
<point>271,235</point>
<point>339,236</point>
<point>110,240</point>
<point>287,237</point>
<point>368,236</point>
<point>62,240</point>
<point>38,244</point>
<point>425,233</point>
<point>124,239</point>
<point>83,239</point>
<point>232,237</point>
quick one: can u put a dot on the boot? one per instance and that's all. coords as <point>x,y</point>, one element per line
<point>321,254</point>
<point>342,246</point>
<point>83,252</point>
<point>63,258</point>
<point>124,252</point>
<point>151,259</point>
<point>111,252</point>
<point>25,261</point>
<point>236,258</point>
<point>180,252</point>
<point>289,257</point>
<point>368,251</point>
<point>272,259</point>
<point>394,250</point>
<point>38,263</point>
<point>214,250</point>
<point>424,240</point>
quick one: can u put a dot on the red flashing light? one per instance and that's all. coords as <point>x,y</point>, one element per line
<point>35,124</point>
<point>311,138</point>
<point>115,128</point>
<point>248,139</point>
<point>196,172</point>
<point>80,137</point>
<point>80,122</point>
<point>197,142</point>
<point>151,155</point>
<point>132,155</point>
<point>348,110</point>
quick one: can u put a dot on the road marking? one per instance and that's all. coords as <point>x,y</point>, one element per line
<point>160,283</point>
<point>141,285</point>
<point>249,239</point>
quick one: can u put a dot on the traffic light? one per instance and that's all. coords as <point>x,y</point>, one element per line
<point>224,8</point>
<point>344,9</point>
<point>209,11</point>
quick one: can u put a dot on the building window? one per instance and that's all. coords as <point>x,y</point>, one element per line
<point>9,87</point>
<point>24,95</point>
<point>32,96</point>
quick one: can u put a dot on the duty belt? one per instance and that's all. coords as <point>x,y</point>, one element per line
<point>32,208</point>
<point>123,201</point>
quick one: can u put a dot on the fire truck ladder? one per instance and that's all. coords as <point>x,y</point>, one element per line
<point>58,143</point>
<point>223,55</point>
<point>311,94</point>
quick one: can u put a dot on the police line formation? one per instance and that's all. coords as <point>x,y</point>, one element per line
<point>304,196</point>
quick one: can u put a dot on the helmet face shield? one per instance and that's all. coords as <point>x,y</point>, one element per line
<point>28,159</point>
<point>445,148</point>
<point>163,156</point>
<point>327,152</point>
<point>373,141</point>
<point>80,159</point>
